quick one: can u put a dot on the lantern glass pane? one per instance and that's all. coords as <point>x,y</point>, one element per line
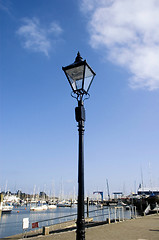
<point>75,76</point>
<point>79,83</point>
<point>87,78</point>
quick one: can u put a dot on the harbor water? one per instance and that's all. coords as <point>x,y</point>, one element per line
<point>12,223</point>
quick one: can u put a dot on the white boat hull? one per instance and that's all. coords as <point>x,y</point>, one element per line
<point>64,204</point>
<point>52,206</point>
<point>6,209</point>
<point>39,208</point>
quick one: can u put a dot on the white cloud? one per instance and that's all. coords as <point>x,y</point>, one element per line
<point>129,30</point>
<point>36,37</point>
<point>55,28</point>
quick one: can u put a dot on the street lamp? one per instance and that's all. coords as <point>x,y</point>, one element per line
<point>80,76</point>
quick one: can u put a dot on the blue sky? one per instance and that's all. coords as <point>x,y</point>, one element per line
<point>38,131</point>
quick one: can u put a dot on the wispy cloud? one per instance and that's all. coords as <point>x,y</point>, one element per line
<point>38,38</point>
<point>5,6</point>
<point>129,31</point>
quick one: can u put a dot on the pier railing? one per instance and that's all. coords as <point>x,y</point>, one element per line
<point>94,217</point>
<point>113,214</point>
<point>31,224</point>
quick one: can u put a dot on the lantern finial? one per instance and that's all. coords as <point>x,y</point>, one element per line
<point>78,58</point>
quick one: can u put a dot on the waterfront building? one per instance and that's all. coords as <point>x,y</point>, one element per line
<point>148,191</point>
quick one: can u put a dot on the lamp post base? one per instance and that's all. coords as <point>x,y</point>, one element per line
<point>80,232</point>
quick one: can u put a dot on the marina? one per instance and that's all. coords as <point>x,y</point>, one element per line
<point>145,227</point>
<point>41,214</point>
<point>11,223</point>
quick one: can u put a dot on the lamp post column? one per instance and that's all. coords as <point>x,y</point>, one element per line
<point>80,76</point>
<point>80,118</point>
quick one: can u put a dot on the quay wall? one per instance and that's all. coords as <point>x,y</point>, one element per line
<point>145,228</point>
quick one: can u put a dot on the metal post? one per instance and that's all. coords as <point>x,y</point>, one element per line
<point>157,207</point>
<point>87,206</point>
<point>119,213</point>
<point>109,215</point>
<point>123,213</point>
<point>115,214</point>
<point>130,213</point>
<point>80,118</point>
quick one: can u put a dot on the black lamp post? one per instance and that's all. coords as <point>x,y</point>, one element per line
<point>80,76</point>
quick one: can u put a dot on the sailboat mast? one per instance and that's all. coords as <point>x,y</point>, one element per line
<point>108,189</point>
